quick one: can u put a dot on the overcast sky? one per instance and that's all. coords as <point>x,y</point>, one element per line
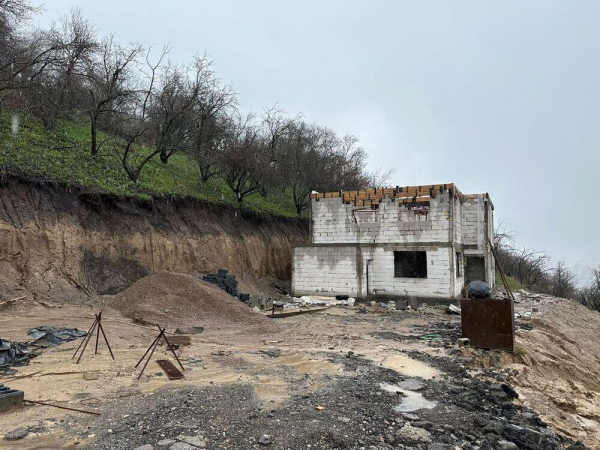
<point>499,97</point>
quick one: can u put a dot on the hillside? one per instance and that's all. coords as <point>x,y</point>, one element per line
<point>62,156</point>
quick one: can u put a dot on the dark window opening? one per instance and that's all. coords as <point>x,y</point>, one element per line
<point>458,258</point>
<point>410,264</point>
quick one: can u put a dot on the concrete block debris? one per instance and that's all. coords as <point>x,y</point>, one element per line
<point>227,282</point>
<point>453,309</point>
<point>224,280</point>
<point>463,342</point>
<point>306,301</point>
<point>10,398</point>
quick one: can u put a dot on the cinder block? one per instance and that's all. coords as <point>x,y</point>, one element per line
<point>10,398</point>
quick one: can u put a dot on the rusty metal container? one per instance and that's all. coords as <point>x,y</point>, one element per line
<point>489,323</point>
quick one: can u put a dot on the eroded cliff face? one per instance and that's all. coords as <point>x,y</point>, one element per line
<point>63,245</point>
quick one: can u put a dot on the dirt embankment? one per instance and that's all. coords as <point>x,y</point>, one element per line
<point>60,244</point>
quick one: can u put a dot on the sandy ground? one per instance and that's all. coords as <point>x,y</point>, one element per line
<point>226,358</point>
<point>304,347</point>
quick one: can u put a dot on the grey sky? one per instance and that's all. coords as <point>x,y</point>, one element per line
<point>495,96</point>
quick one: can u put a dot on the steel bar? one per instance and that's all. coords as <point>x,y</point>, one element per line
<point>106,340</point>
<point>62,407</point>
<point>153,342</point>
<point>150,356</point>
<point>98,318</point>
<point>81,343</point>
<point>171,348</point>
<point>86,342</point>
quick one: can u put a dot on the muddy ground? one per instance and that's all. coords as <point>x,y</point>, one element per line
<point>344,378</point>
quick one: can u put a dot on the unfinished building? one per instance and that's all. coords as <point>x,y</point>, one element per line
<point>414,241</point>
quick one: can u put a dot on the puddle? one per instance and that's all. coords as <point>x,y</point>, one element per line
<point>411,384</point>
<point>409,367</point>
<point>410,400</point>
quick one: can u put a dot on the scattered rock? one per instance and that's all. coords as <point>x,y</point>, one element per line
<point>196,441</point>
<point>16,435</point>
<point>507,445</point>
<point>181,446</point>
<point>144,447</point>
<point>413,435</point>
<point>264,440</point>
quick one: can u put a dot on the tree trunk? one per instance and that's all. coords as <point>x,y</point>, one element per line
<point>94,134</point>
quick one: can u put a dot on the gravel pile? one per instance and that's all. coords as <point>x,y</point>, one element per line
<point>185,302</point>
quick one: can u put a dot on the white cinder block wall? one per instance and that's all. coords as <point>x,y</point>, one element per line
<point>352,249</point>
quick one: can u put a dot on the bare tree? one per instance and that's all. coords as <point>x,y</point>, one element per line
<point>380,177</point>
<point>110,83</point>
<point>76,38</point>
<point>138,123</point>
<point>211,121</point>
<point>562,281</point>
<point>589,295</point>
<point>246,163</point>
<point>531,266</point>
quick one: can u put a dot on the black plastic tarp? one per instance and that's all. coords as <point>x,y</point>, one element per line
<point>478,289</point>
<point>54,335</point>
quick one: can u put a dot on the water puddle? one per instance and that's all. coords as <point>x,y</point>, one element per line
<point>411,401</point>
<point>409,367</point>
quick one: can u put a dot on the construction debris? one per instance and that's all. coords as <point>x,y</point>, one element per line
<point>13,354</point>
<point>46,336</point>
<point>453,309</point>
<point>10,398</point>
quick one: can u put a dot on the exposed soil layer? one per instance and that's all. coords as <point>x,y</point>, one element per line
<point>184,301</point>
<point>64,245</point>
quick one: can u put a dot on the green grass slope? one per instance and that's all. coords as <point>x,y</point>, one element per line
<point>62,155</point>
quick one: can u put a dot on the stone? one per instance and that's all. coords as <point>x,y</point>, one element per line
<point>409,416</point>
<point>16,434</point>
<point>438,446</point>
<point>526,438</point>
<point>181,446</point>
<point>165,442</point>
<point>264,440</point>
<point>144,447</point>
<point>196,441</point>
<point>507,445</point>
<point>413,435</point>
